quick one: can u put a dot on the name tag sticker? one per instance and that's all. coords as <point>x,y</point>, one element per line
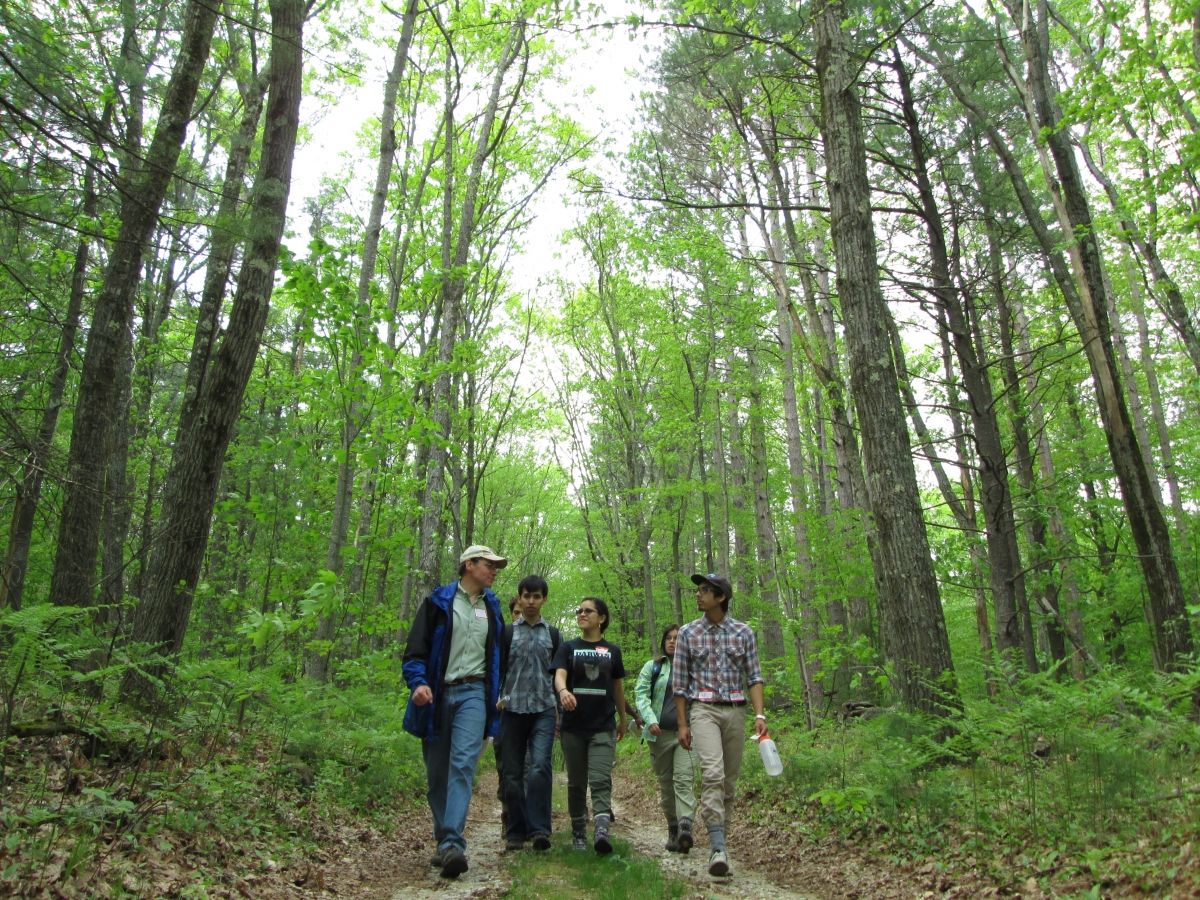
<point>603,651</point>
<point>705,696</point>
<point>737,696</point>
<point>481,613</point>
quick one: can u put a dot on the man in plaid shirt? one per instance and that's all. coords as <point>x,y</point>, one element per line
<point>715,667</point>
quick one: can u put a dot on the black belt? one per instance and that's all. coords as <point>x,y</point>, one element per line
<point>470,679</point>
<point>723,702</point>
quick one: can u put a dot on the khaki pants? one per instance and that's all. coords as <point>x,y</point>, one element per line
<point>718,738</point>
<point>676,771</point>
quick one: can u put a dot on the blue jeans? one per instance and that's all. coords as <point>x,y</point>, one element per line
<point>450,760</point>
<point>528,804</point>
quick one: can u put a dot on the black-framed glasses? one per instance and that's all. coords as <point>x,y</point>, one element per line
<point>584,611</point>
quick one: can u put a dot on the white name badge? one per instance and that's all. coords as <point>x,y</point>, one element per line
<point>603,651</point>
<point>481,613</point>
<point>737,696</point>
<point>705,696</point>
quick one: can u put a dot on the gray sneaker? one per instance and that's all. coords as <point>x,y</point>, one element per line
<point>579,840</point>
<point>718,864</point>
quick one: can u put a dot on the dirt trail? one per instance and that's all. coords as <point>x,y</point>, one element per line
<point>487,878</point>
<point>640,821</point>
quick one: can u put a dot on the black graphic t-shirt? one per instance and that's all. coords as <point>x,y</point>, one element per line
<point>592,669</point>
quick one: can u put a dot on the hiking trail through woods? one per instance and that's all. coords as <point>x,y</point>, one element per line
<point>397,868</point>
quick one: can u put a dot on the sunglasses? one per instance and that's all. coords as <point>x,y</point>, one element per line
<point>584,611</point>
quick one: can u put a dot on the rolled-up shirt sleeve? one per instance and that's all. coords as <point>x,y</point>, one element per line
<point>753,667</point>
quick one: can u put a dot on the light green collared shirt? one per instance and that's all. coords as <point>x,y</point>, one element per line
<point>468,637</point>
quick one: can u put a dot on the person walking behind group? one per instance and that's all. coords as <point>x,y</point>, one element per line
<point>452,668</point>
<point>674,764</point>
<point>716,664</point>
<point>528,718</point>
<point>587,677</point>
<point>514,613</point>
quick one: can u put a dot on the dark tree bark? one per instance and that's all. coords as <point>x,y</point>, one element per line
<point>912,627</point>
<point>1170,623</point>
<point>205,428</point>
<point>95,409</point>
<point>1014,628</point>
<point>12,583</point>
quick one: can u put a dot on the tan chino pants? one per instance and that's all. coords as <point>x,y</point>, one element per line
<point>718,739</point>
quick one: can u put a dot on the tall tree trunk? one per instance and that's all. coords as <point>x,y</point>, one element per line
<point>1170,621</point>
<point>804,637</point>
<point>453,286</point>
<point>316,664</point>
<point>1014,630</point>
<point>99,388</point>
<point>12,583</point>
<point>912,627</point>
<point>190,488</point>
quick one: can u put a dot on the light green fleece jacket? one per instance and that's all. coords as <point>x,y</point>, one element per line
<point>651,706</point>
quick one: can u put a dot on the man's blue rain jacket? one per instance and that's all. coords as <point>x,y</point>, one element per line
<point>428,651</point>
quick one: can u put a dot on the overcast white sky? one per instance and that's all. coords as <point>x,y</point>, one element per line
<point>600,92</point>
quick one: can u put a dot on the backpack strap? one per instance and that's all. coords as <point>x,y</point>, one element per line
<point>654,673</point>
<point>506,636</point>
<point>555,640</point>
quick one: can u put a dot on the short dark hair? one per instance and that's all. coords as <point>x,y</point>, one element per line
<point>662,645</point>
<point>602,609</point>
<point>513,605</point>
<point>534,584</point>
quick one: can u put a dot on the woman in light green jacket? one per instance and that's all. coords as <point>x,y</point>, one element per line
<point>674,766</point>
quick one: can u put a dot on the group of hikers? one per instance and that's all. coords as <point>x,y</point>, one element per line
<point>472,676</point>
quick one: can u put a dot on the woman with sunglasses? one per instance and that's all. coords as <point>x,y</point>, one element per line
<point>674,765</point>
<point>587,676</point>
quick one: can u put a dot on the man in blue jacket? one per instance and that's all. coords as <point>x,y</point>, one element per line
<point>452,667</point>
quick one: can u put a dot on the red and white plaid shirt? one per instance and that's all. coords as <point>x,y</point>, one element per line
<point>711,661</point>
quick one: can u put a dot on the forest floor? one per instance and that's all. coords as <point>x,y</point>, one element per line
<point>385,856</point>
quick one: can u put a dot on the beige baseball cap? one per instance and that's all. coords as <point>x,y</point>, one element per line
<point>478,551</point>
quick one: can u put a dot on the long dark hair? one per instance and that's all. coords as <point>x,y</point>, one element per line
<point>662,645</point>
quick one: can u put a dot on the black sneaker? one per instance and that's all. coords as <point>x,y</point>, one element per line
<point>541,841</point>
<point>454,862</point>
<point>579,840</point>
<point>686,842</point>
<point>512,845</point>
<point>436,860</point>
<point>600,840</point>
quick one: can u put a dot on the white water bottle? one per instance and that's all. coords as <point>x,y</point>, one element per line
<point>770,755</point>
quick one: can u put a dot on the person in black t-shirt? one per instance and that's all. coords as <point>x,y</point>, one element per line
<point>587,676</point>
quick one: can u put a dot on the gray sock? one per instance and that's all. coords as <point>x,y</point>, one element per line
<point>716,838</point>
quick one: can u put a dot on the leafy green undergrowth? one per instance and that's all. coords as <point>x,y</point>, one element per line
<point>238,778</point>
<point>1089,785</point>
<point>566,874</point>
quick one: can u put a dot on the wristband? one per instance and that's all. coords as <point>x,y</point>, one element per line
<point>760,716</point>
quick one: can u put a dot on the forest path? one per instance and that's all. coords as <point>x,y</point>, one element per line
<point>639,821</point>
<point>487,878</point>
